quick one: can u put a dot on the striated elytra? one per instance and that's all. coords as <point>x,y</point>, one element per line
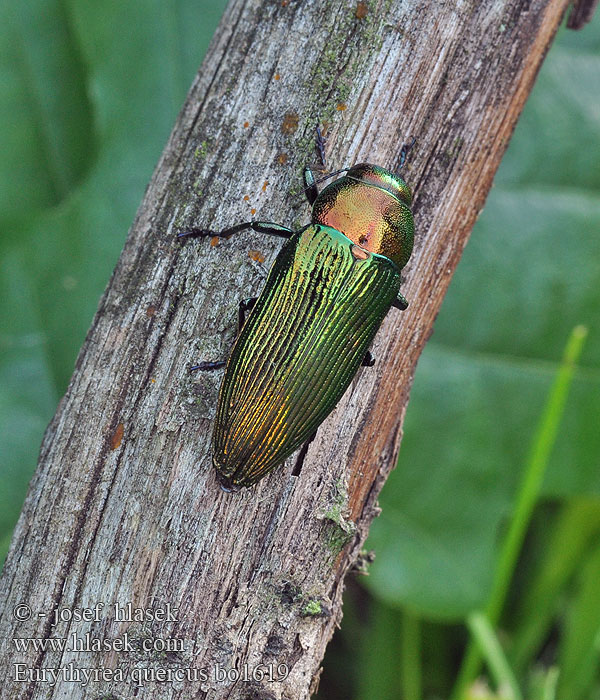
<point>310,329</point>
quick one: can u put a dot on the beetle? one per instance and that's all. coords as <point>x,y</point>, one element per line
<point>308,332</point>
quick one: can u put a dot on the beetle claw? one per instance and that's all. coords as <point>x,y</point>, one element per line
<point>227,485</point>
<point>204,366</point>
<point>196,233</point>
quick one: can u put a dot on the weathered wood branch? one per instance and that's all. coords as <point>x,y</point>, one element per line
<point>124,505</point>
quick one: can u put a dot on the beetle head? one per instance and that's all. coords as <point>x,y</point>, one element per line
<point>371,206</point>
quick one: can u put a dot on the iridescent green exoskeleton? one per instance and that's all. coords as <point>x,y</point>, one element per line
<point>310,329</point>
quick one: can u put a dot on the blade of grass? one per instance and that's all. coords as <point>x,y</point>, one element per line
<point>549,692</point>
<point>573,531</point>
<point>537,461</point>
<point>411,656</point>
<point>490,648</point>
<point>579,651</point>
<point>380,656</point>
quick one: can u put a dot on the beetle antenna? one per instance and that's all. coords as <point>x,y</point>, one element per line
<point>325,177</point>
<point>406,147</point>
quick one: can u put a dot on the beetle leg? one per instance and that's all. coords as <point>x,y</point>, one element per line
<point>321,146</point>
<point>368,360</point>
<point>260,226</point>
<point>207,366</point>
<point>245,305</point>
<point>302,455</point>
<point>270,228</point>
<point>406,147</point>
<point>310,188</point>
<point>400,302</point>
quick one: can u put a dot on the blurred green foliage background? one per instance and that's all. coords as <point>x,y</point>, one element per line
<point>90,92</point>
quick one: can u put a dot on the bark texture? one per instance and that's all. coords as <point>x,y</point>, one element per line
<point>124,506</point>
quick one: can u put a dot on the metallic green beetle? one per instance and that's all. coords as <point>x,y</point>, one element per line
<point>310,329</point>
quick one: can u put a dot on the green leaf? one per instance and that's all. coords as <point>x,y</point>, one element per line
<point>45,115</point>
<point>27,397</point>
<point>555,143</point>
